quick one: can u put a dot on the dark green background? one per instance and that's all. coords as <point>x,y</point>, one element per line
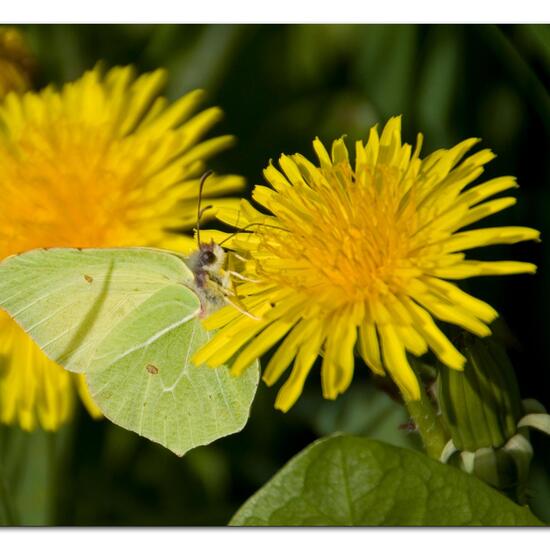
<point>280,86</point>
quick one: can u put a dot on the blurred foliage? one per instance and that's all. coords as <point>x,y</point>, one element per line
<point>280,86</point>
<point>30,469</point>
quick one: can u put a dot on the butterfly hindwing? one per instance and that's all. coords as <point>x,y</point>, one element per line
<point>181,407</point>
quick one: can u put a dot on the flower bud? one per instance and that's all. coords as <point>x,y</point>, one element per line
<point>481,409</point>
<point>480,406</point>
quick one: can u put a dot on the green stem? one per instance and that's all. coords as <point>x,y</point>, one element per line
<point>53,468</point>
<point>5,501</point>
<point>429,424</point>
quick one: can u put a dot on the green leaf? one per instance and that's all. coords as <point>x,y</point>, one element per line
<point>129,320</point>
<point>346,480</point>
<point>29,468</point>
<point>385,65</point>
<point>438,83</point>
<point>537,38</point>
<point>205,62</point>
<point>59,51</point>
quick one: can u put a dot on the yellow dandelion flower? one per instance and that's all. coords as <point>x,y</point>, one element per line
<point>361,257</point>
<point>16,62</point>
<point>105,161</point>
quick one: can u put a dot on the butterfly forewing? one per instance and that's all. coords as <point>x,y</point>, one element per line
<point>68,300</point>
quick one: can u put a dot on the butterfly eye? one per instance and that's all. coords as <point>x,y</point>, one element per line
<point>208,257</point>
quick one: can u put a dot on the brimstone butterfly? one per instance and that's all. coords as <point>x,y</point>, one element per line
<point>129,319</point>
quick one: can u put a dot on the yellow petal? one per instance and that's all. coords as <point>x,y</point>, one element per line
<point>291,170</point>
<point>452,293</point>
<point>321,153</point>
<point>473,268</point>
<point>85,396</point>
<point>482,211</point>
<point>369,348</point>
<point>488,189</point>
<point>452,313</point>
<point>489,236</point>
<point>264,341</point>
<point>287,350</point>
<point>372,149</point>
<point>305,358</point>
<point>412,340</point>
<point>436,340</point>
<point>338,363</point>
<point>396,362</point>
<point>339,152</point>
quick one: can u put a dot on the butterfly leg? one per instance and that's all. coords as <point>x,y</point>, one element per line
<point>242,277</point>
<point>241,309</point>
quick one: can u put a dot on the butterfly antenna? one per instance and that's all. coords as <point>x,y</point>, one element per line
<point>246,227</point>
<point>200,211</point>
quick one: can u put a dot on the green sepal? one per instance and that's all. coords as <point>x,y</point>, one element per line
<point>481,405</point>
<point>539,421</point>
<point>497,468</point>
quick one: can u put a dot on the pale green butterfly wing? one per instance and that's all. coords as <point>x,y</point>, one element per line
<point>127,320</point>
<point>182,407</point>
<point>68,299</point>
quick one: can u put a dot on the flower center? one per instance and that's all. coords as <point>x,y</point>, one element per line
<point>349,239</point>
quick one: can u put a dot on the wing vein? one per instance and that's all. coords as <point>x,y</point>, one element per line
<point>153,338</point>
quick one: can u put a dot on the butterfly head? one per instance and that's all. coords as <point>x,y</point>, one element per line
<point>207,261</point>
<point>210,257</point>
